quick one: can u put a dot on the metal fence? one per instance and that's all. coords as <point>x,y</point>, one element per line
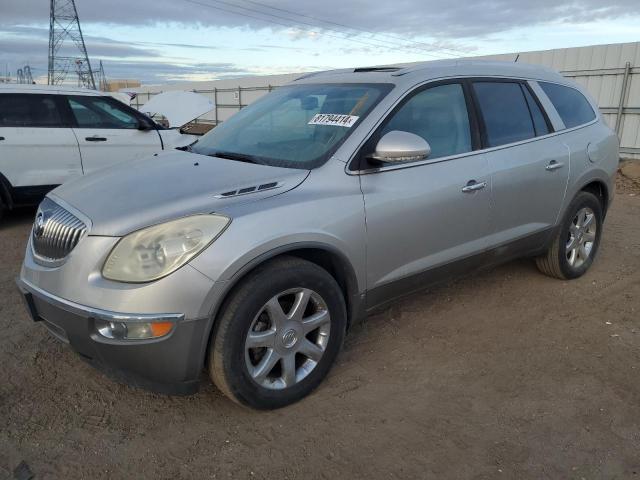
<point>617,91</point>
<point>227,101</point>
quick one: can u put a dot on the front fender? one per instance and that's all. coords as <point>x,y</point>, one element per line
<point>237,270</point>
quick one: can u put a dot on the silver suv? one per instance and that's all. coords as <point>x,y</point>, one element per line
<point>253,251</point>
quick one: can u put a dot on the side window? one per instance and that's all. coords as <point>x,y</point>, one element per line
<point>99,112</point>
<point>439,115</point>
<point>539,121</point>
<point>29,110</point>
<point>84,116</point>
<point>505,112</point>
<point>573,108</point>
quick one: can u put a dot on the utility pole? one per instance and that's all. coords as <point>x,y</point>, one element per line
<point>6,78</point>
<point>102,78</point>
<point>64,26</point>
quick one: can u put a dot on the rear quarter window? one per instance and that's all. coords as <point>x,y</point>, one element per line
<point>574,109</point>
<point>29,110</point>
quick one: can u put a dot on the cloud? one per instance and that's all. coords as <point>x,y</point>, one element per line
<point>428,25</point>
<point>164,72</point>
<point>406,17</point>
<point>20,45</point>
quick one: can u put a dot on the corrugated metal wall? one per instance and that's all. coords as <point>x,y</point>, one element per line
<point>611,73</point>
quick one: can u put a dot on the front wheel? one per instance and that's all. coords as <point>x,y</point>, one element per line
<point>576,243</point>
<point>278,334</point>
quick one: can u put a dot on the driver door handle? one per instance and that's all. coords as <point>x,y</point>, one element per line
<point>553,165</point>
<point>472,186</point>
<point>95,138</point>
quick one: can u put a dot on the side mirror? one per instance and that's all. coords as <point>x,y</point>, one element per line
<point>145,124</point>
<point>398,146</point>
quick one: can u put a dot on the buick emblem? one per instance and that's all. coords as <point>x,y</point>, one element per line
<point>289,338</point>
<point>38,228</point>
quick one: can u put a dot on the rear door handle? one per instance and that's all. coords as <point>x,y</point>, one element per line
<point>553,165</point>
<point>1,138</point>
<point>95,138</point>
<point>472,186</point>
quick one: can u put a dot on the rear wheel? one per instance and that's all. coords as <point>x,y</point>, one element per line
<point>278,334</point>
<point>576,243</point>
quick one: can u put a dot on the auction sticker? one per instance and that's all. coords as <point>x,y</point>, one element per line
<point>336,120</point>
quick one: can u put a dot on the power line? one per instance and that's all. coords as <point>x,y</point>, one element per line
<point>386,35</point>
<point>296,21</point>
<point>292,23</point>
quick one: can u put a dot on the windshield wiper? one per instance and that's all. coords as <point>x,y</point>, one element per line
<point>241,157</point>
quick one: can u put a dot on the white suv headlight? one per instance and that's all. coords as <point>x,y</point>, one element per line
<point>155,252</point>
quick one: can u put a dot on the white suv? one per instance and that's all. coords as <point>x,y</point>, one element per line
<point>49,135</point>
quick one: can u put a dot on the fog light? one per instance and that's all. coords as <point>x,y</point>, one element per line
<point>133,330</point>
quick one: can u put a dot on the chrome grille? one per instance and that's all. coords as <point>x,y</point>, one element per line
<point>56,231</point>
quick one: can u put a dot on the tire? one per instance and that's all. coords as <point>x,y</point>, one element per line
<point>255,349</point>
<point>566,259</point>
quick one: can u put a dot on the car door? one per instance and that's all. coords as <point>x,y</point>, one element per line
<point>108,132</point>
<point>429,213</point>
<point>38,149</point>
<point>529,168</point>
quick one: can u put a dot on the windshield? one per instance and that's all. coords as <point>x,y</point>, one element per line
<point>297,126</point>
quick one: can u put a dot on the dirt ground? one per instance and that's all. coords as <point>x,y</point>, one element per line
<point>505,374</point>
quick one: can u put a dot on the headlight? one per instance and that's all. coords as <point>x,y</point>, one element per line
<point>157,251</point>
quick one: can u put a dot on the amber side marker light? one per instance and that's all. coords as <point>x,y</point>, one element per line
<point>133,330</point>
<point>160,329</point>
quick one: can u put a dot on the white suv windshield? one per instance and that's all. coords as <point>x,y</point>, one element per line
<point>296,126</point>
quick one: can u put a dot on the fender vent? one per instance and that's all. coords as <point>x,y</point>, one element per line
<point>247,190</point>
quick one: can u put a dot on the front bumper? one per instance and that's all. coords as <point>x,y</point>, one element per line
<point>170,364</point>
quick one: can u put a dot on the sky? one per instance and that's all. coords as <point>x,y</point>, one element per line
<point>159,41</point>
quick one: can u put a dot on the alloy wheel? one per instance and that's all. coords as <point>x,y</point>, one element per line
<point>581,237</point>
<point>287,338</point>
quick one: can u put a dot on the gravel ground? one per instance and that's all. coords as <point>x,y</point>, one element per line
<point>504,374</point>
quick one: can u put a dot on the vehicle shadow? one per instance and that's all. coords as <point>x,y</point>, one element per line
<point>17,217</point>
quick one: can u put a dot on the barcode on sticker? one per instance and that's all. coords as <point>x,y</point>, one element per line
<point>336,120</point>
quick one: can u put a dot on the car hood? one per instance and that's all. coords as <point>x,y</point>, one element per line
<point>174,138</point>
<point>152,190</point>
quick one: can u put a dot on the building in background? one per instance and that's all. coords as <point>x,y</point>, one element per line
<point>611,73</point>
<point>115,85</point>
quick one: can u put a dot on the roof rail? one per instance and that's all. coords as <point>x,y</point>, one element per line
<point>312,74</point>
<point>323,72</point>
<point>376,69</point>
<point>414,67</point>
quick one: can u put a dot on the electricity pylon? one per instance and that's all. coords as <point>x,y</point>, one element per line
<point>64,26</point>
<point>24,75</point>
